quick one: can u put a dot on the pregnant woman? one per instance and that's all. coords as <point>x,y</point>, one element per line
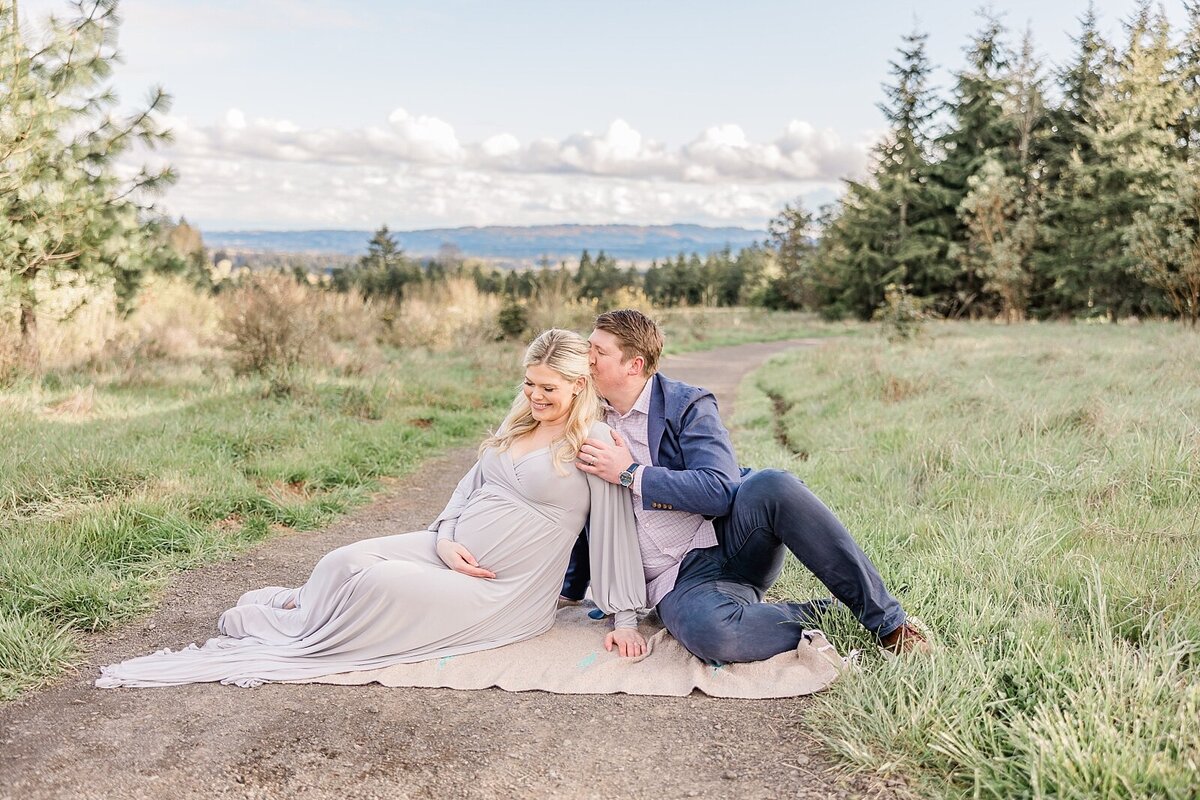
<point>486,573</point>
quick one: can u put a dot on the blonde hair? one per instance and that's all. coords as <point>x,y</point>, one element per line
<point>566,353</point>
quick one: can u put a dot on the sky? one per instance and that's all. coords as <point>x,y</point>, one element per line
<point>303,114</point>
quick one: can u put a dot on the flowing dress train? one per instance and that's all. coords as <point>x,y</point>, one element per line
<point>391,599</point>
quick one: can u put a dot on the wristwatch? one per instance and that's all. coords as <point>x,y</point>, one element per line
<point>626,477</point>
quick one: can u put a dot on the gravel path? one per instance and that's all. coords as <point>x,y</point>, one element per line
<point>320,741</point>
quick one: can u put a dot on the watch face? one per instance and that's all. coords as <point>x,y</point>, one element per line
<point>626,478</point>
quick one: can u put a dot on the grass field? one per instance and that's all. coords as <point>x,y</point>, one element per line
<point>113,478</point>
<point>1033,494</point>
<point>99,504</point>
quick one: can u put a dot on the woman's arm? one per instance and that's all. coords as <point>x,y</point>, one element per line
<point>448,519</point>
<point>618,582</point>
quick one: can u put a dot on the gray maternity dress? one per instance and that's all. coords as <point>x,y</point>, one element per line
<point>391,600</point>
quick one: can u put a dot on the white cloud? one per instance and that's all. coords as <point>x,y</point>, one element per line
<point>720,153</point>
<point>413,171</point>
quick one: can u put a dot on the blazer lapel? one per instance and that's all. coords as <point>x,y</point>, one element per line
<point>658,419</point>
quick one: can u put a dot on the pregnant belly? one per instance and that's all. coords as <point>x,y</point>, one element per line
<point>510,539</point>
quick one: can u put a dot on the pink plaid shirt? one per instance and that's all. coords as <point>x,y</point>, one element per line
<point>665,537</point>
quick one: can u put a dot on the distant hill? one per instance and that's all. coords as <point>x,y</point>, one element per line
<point>504,243</point>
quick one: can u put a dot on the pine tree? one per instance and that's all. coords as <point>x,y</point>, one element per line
<point>599,279</point>
<point>66,211</point>
<point>789,235</point>
<point>385,271</point>
<point>888,228</point>
<point>999,236</point>
<point>1165,242</point>
<point>1066,245</point>
<point>1136,147</point>
<point>1002,205</point>
<point>980,128</point>
<point>1188,126</point>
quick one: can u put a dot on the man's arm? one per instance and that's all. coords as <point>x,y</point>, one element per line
<point>709,481</point>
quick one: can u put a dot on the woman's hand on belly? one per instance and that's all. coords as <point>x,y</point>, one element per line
<point>459,559</point>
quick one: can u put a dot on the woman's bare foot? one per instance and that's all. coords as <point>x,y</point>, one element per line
<point>289,605</point>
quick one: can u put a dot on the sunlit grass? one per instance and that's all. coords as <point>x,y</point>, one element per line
<point>1032,492</point>
<point>98,507</point>
<point>115,474</point>
<point>688,329</point>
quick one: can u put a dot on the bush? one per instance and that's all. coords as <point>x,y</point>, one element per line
<point>443,316</point>
<point>902,315</point>
<point>274,325</point>
<point>512,319</point>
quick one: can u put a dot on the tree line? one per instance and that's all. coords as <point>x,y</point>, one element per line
<point>1025,190</point>
<point>1028,190</point>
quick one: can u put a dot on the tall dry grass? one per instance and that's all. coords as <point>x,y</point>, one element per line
<point>256,321</point>
<point>79,327</point>
<point>443,316</point>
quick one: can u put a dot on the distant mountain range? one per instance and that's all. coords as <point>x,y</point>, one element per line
<point>502,243</point>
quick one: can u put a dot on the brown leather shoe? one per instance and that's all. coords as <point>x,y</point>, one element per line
<point>904,640</point>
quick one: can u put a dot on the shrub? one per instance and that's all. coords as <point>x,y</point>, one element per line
<point>273,325</point>
<point>512,319</point>
<point>450,315</point>
<point>902,315</point>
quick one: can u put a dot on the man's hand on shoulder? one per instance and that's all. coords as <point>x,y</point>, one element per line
<point>603,459</point>
<point>628,641</point>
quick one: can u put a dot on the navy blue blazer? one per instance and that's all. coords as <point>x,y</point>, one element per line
<point>692,463</point>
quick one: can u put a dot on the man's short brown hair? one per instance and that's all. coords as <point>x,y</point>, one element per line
<point>637,335</point>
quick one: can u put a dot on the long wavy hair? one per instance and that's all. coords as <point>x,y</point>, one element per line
<point>566,353</point>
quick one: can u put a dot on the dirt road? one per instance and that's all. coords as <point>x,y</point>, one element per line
<point>320,741</point>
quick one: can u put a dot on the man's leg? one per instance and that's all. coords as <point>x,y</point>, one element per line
<point>773,510</point>
<point>579,571</point>
<point>724,621</point>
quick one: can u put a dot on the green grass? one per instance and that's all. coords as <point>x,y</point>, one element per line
<point>690,329</point>
<point>104,493</point>
<point>98,508</point>
<point>1033,494</point>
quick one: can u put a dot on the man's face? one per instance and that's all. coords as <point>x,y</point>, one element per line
<point>609,371</point>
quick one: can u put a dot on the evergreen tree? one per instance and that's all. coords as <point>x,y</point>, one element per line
<point>1188,126</point>
<point>890,229</point>
<point>980,128</point>
<point>1067,245</point>
<point>789,235</point>
<point>489,281</point>
<point>752,269</point>
<point>1165,242</point>
<point>385,271</point>
<point>1002,207</point>
<point>1136,147</point>
<point>999,236</point>
<point>600,278</point>
<point>65,208</point>
<point>653,284</point>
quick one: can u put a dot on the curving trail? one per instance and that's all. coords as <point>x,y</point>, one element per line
<point>320,741</point>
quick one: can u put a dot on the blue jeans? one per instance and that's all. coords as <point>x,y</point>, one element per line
<point>716,609</point>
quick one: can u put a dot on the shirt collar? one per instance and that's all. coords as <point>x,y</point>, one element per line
<point>642,404</point>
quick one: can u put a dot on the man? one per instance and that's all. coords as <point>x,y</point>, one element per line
<point>713,537</point>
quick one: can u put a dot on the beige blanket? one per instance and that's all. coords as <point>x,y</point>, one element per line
<point>571,659</point>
